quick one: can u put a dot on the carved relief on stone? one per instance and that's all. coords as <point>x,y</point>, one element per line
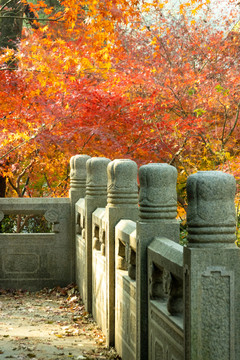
<point>156,283</point>
<point>175,295</point>
<point>102,240</point>
<point>1,215</point>
<point>78,224</point>
<point>52,216</point>
<point>217,340</point>
<point>96,240</point>
<point>132,263</point>
<point>121,255</point>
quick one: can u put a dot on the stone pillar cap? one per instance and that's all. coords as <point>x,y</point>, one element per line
<point>158,195</point>
<point>97,176</point>
<point>122,182</point>
<point>211,214</point>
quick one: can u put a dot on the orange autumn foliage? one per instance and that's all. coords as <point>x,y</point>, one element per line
<point>99,78</point>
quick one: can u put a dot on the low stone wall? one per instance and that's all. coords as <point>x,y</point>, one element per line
<point>33,261</point>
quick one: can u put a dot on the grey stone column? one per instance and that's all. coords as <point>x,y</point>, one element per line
<point>77,190</point>
<point>211,269</point>
<point>122,204</point>
<point>158,210</point>
<point>96,196</point>
<point>78,175</point>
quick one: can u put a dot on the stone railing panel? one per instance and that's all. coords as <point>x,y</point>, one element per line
<point>99,298</point>
<point>80,247</point>
<point>36,260</point>
<point>165,299</point>
<point>125,298</point>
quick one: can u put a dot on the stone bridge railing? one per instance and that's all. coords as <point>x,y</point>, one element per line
<point>153,298</point>
<point>37,260</point>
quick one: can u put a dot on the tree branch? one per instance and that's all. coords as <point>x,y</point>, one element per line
<point>21,175</point>
<point>25,18</point>
<point>3,6</point>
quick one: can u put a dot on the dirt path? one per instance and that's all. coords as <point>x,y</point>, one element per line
<point>51,325</point>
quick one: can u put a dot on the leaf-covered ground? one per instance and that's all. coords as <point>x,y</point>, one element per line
<point>50,324</point>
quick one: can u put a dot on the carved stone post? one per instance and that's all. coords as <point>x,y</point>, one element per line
<point>96,196</point>
<point>122,204</point>
<point>211,267</point>
<point>158,210</point>
<point>77,190</point>
<point>78,175</point>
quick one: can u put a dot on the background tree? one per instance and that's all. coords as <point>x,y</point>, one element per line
<point>118,79</point>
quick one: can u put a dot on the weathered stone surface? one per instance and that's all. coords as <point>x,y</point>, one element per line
<point>34,261</point>
<point>158,208</point>
<point>99,297</point>
<point>211,214</point>
<point>211,265</point>
<point>166,339</point>
<point>80,248</point>
<point>97,177</point>
<point>122,204</point>
<point>122,182</point>
<point>96,197</point>
<point>125,301</point>
<point>165,299</point>
<point>158,195</point>
<point>78,175</point>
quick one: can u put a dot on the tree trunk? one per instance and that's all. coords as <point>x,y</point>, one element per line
<point>2,186</point>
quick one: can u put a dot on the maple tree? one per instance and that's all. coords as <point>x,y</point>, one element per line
<point>118,79</point>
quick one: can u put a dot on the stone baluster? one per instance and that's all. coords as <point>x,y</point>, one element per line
<point>122,204</point>
<point>96,196</point>
<point>77,190</point>
<point>78,175</point>
<point>211,269</point>
<point>158,210</point>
